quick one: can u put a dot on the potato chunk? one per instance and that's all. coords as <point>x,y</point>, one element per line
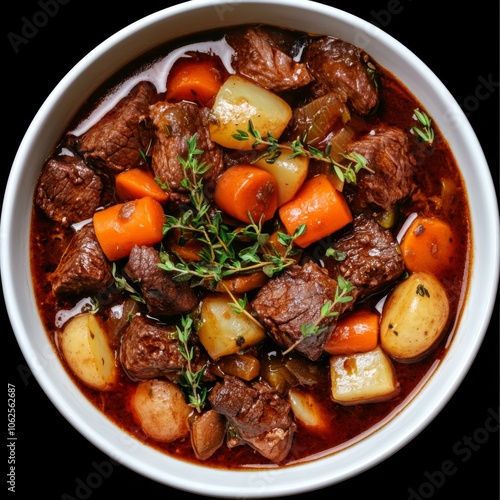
<point>238,101</point>
<point>414,317</point>
<point>85,348</point>
<point>160,408</point>
<point>365,377</point>
<point>308,409</point>
<point>290,174</point>
<point>222,331</point>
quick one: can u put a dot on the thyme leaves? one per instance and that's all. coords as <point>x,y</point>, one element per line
<point>225,251</point>
<point>346,171</point>
<point>189,379</point>
<point>426,133</point>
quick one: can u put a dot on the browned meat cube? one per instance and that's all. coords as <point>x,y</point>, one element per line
<point>174,124</point>
<point>67,190</point>
<point>372,256</point>
<point>148,350</point>
<point>83,267</point>
<point>262,417</point>
<point>294,299</point>
<point>266,56</point>
<point>338,66</point>
<point>387,152</point>
<point>115,142</point>
<point>163,295</point>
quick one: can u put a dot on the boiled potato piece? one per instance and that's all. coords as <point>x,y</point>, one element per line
<point>365,377</point>
<point>160,408</point>
<point>240,100</point>
<point>414,317</point>
<point>222,331</point>
<point>85,348</point>
<point>307,409</point>
<point>290,173</point>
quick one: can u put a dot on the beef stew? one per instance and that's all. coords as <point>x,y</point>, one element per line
<point>367,145</point>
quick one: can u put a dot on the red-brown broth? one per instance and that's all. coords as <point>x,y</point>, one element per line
<point>347,423</point>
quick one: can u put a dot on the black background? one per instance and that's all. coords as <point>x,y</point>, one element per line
<point>461,46</point>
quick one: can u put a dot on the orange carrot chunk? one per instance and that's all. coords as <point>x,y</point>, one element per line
<point>319,206</point>
<point>355,332</point>
<point>247,193</point>
<point>119,227</point>
<point>428,246</point>
<point>137,183</point>
<point>193,79</point>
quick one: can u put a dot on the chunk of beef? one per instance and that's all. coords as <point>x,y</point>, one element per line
<point>387,152</point>
<point>338,66</point>
<point>148,351</point>
<point>174,123</point>
<point>83,268</point>
<point>372,256</point>
<point>294,299</point>
<point>115,142</point>
<point>163,295</point>
<point>262,417</point>
<point>68,191</point>
<point>263,55</point>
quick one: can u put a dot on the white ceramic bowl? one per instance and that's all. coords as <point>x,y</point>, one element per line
<point>51,121</point>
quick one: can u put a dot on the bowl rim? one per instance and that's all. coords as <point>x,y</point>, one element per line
<point>428,400</point>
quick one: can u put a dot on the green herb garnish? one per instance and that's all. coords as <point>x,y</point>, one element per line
<point>345,172</point>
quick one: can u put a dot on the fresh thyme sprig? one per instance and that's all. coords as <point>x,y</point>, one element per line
<point>327,311</point>
<point>224,251</point>
<point>427,133</point>
<point>189,379</point>
<point>122,284</point>
<point>345,172</point>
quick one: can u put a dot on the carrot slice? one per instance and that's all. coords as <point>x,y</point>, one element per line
<point>194,79</point>
<point>355,332</point>
<point>119,227</point>
<point>428,246</point>
<point>137,183</point>
<point>188,249</point>
<point>247,193</point>
<point>319,206</point>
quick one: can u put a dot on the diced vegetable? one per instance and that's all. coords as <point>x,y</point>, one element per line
<point>337,145</point>
<point>222,331</point>
<point>239,101</point>
<point>290,174</point>
<point>428,246</point>
<point>85,348</point>
<point>305,371</point>
<point>319,206</point>
<point>247,193</point>
<point>119,227</point>
<point>320,117</point>
<point>274,371</point>
<point>207,433</point>
<point>307,409</point>
<point>243,283</point>
<point>414,317</point>
<point>161,410</point>
<point>136,183</point>
<point>366,377</point>
<point>245,366</point>
<point>355,332</point>
<point>194,79</point>
<point>187,247</point>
